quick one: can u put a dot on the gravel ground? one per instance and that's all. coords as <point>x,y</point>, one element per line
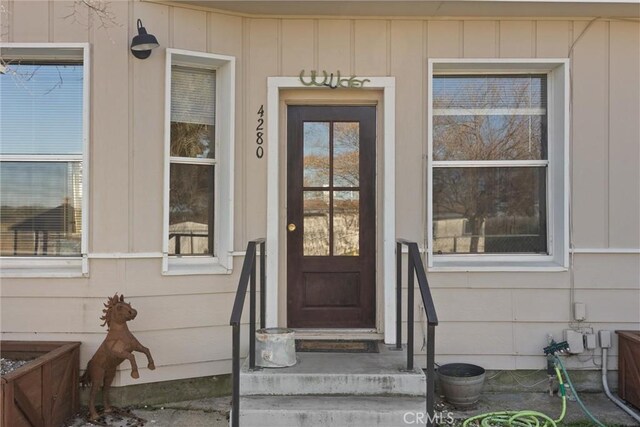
<point>10,365</point>
<point>212,412</point>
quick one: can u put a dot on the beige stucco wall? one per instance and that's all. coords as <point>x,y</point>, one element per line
<point>498,320</point>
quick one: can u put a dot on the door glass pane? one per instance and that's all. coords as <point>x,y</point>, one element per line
<point>191,209</point>
<point>316,154</point>
<point>315,229</point>
<point>346,153</point>
<point>489,210</point>
<point>346,223</point>
<point>40,208</point>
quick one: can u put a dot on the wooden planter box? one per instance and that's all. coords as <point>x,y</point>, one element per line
<point>44,392</point>
<point>629,366</point>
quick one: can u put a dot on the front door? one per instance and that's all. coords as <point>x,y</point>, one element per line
<point>331,216</point>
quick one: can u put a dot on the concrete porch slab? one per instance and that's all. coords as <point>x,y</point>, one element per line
<point>358,374</point>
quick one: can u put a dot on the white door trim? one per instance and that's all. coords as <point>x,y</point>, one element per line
<point>386,176</point>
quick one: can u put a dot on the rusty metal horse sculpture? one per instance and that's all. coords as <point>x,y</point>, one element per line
<point>117,346</point>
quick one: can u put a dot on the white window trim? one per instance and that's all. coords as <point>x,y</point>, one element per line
<point>558,189</point>
<point>57,266</point>
<point>222,263</point>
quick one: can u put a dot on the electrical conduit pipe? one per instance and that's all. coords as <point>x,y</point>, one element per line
<point>605,385</point>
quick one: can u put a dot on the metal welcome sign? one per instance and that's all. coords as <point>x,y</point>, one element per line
<point>329,80</point>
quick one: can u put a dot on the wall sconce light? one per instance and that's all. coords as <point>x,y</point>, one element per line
<point>142,44</point>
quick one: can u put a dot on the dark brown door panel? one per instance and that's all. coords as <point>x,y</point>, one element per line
<point>331,216</point>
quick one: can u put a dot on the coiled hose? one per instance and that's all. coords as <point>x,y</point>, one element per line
<point>529,418</point>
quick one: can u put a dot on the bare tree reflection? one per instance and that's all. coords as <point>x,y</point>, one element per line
<point>499,209</point>
<point>343,227</point>
<point>191,140</point>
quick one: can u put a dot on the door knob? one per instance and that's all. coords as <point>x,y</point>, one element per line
<point>291,227</point>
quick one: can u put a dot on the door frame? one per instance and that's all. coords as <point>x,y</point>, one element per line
<point>385,179</point>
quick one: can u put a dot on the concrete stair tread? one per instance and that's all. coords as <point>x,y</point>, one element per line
<point>333,403</point>
<point>337,374</point>
<point>307,411</point>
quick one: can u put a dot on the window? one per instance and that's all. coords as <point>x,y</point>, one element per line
<point>497,166</point>
<point>192,169</point>
<point>43,170</point>
<point>199,153</point>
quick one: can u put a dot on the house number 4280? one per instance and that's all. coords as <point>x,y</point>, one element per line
<point>260,133</point>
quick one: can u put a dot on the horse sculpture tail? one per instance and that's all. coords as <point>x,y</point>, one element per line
<point>85,379</point>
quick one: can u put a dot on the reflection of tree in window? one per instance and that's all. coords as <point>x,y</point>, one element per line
<point>41,200</point>
<point>190,208</point>
<point>346,223</point>
<point>192,163</point>
<point>346,154</point>
<point>502,206</point>
<point>331,150</point>
<point>192,140</point>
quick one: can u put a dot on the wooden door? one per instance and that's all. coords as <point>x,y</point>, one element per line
<point>331,216</point>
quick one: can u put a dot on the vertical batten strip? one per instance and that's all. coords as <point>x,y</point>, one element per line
<point>51,8</point>
<point>316,44</point>
<point>496,40</point>
<point>608,136</point>
<point>388,40</point>
<point>130,133</point>
<point>207,31</point>
<point>352,47</point>
<point>247,28</point>
<point>534,39</point>
<point>279,44</point>
<point>461,52</point>
<point>424,72</point>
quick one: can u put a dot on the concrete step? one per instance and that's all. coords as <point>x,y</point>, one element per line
<point>325,411</point>
<point>349,374</point>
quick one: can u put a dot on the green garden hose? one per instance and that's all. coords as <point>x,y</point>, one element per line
<point>573,390</point>
<point>524,418</point>
<point>528,418</point>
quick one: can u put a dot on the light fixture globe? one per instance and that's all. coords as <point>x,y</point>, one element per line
<point>142,44</point>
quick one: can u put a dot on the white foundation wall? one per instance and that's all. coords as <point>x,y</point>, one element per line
<point>498,320</point>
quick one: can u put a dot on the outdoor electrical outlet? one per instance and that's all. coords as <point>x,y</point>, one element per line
<point>605,339</point>
<point>579,311</point>
<point>574,339</point>
<point>590,341</point>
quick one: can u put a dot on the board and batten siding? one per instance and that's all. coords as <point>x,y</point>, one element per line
<point>498,320</point>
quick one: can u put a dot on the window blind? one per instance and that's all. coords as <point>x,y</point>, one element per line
<point>41,113</point>
<point>193,95</point>
<point>41,109</point>
<point>490,92</point>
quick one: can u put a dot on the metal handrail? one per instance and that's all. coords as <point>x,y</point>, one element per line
<point>247,279</point>
<point>415,268</point>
